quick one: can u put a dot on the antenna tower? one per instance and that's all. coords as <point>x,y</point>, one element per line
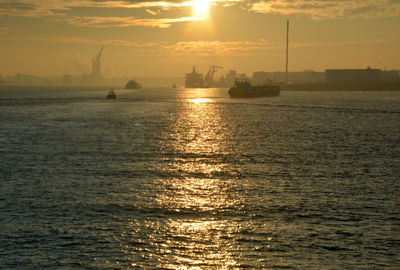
<point>287,51</point>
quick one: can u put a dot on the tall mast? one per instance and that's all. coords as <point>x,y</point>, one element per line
<point>287,51</point>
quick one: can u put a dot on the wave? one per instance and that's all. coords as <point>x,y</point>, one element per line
<point>212,99</point>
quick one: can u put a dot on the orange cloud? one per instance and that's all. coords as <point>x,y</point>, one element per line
<point>321,9</point>
<point>50,10</point>
<point>47,7</point>
<point>216,47</point>
<point>105,22</point>
<point>151,12</point>
<point>317,9</point>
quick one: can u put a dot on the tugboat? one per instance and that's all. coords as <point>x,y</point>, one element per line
<point>133,84</point>
<point>111,94</point>
<point>244,89</point>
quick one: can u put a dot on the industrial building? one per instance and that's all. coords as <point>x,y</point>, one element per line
<point>307,76</point>
<point>367,75</point>
<point>330,76</point>
<point>230,77</point>
<point>352,75</point>
<point>390,76</point>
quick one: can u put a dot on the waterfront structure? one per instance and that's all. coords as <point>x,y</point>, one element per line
<point>389,75</point>
<point>195,79</point>
<point>230,77</point>
<point>209,78</point>
<point>96,65</point>
<point>352,75</point>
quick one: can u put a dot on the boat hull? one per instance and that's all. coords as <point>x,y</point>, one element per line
<point>254,91</point>
<point>111,95</point>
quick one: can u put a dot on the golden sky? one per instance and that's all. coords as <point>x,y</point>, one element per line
<point>166,38</point>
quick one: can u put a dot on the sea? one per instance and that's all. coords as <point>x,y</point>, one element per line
<point>165,178</point>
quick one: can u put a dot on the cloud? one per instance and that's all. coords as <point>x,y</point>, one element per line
<point>15,5</point>
<point>56,10</point>
<point>170,48</point>
<point>344,43</point>
<point>80,40</point>
<point>106,22</point>
<point>220,48</point>
<point>47,7</point>
<point>329,9</point>
<point>151,12</point>
<point>196,48</point>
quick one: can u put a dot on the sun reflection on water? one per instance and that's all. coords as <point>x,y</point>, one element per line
<point>201,100</point>
<point>197,191</point>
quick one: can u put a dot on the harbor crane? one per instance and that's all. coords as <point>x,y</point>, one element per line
<point>209,78</point>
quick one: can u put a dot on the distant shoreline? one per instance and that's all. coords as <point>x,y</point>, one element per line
<point>343,87</point>
<point>339,90</point>
<point>307,87</point>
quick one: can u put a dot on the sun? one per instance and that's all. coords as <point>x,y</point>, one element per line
<point>200,7</point>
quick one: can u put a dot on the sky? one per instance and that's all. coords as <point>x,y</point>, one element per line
<point>167,38</point>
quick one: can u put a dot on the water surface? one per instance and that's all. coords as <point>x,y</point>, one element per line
<point>191,179</point>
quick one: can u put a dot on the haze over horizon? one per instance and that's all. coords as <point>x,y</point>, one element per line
<point>167,38</point>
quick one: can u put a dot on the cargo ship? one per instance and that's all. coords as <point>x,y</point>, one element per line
<point>244,89</point>
<point>194,79</point>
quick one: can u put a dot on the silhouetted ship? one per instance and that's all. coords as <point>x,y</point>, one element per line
<point>133,84</point>
<point>244,89</point>
<point>111,94</point>
<point>194,79</point>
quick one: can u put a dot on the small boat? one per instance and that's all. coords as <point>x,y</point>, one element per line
<point>244,89</point>
<point>174,86</point>
<point>111,94</point>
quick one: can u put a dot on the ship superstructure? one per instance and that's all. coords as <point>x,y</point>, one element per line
<point>133,84</point>
<point>194,79</point>
<point>244,89</point>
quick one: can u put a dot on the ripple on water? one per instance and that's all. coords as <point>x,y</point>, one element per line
<point>196,180</point>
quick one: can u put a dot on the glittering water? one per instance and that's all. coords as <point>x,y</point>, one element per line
<point>191,179</point>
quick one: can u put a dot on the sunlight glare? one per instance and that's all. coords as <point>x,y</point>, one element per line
<point>200,7</point>
<point>200,100</point>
